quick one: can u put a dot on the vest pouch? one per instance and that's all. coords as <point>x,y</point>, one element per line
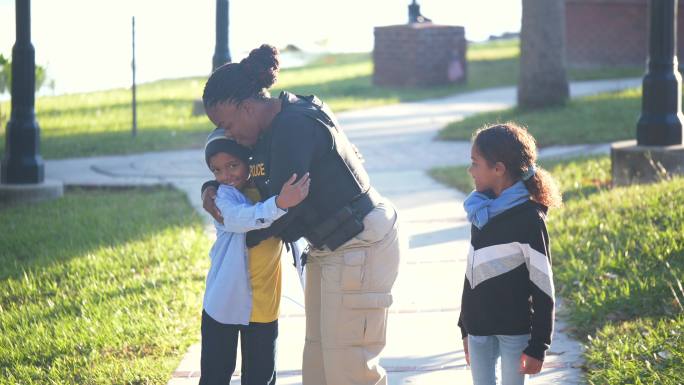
<point>345,232</point>
<point>323,230</point>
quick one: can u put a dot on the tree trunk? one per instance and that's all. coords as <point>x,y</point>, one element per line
<point>543,81</point>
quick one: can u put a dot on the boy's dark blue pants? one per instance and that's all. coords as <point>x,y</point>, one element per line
<point>219,352</point>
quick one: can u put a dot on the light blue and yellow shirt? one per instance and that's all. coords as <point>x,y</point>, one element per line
<point>228,294</point>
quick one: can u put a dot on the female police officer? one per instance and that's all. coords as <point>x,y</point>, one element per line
<point>352,231</point>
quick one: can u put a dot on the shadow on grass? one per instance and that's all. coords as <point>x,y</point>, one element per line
<point>99,286</point>
<point>38,236</point>
<point>74,308</point>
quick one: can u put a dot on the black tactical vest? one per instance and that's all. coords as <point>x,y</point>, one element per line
<point>337,176</point>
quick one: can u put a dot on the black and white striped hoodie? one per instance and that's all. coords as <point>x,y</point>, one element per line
<point>508,288</point>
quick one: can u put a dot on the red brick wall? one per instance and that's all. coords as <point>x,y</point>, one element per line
<point>421,54</point>
<point>601,33</point>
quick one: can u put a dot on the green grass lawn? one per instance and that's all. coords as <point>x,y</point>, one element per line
<point>598,118</point>
<point>618,257</point>
<point>99,123</point>
<point>99,287</point>
<point>619,261</point>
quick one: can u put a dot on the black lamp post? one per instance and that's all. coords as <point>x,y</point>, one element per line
<point>415,15</point>
<point>221,52</point>
<point>414,12</point>
<point>659,150</point>
<point>22,163</point>
<point>660,123</point>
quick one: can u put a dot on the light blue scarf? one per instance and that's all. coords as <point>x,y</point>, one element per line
<point>481,207</point>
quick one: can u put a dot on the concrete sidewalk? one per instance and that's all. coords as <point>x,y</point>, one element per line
<point>424,345</point>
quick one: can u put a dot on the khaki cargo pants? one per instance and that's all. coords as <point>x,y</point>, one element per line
<point>348,293</point>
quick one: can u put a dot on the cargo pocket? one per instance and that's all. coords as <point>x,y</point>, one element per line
<point>352,272</point>
<point>369,310</point>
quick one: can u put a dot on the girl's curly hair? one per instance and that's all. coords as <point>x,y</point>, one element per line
<point>513,146</point>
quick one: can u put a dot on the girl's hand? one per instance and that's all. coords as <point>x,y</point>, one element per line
<point>293,193</point>
<point>465,350</point>
<point>529,365</point>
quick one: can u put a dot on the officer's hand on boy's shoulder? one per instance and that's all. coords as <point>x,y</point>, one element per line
<point>209,203</point>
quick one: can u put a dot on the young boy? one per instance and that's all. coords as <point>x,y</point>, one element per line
<point>243,286</point>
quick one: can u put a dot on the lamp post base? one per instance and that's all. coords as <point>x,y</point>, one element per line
<point>11,193</point>
<point>632,163</point>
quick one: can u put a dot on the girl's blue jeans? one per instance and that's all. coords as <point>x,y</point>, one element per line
<point>485,352</point>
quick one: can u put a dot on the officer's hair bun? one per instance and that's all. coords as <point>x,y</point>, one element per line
<point>262,65</point>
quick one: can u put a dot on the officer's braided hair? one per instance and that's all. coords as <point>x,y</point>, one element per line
<point>516,148</point>
<point>250,78</point>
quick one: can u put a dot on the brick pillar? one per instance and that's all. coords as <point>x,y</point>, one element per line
<point>419,54</point>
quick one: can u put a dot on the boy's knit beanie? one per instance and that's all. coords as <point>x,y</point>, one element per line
<point>217,142</point>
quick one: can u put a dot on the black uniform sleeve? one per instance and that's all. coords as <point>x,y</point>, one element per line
<point>254,237</point>
<point>542,289</point>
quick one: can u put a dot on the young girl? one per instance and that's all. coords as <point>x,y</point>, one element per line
<point>243,287</point>
<point>507,307</point>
